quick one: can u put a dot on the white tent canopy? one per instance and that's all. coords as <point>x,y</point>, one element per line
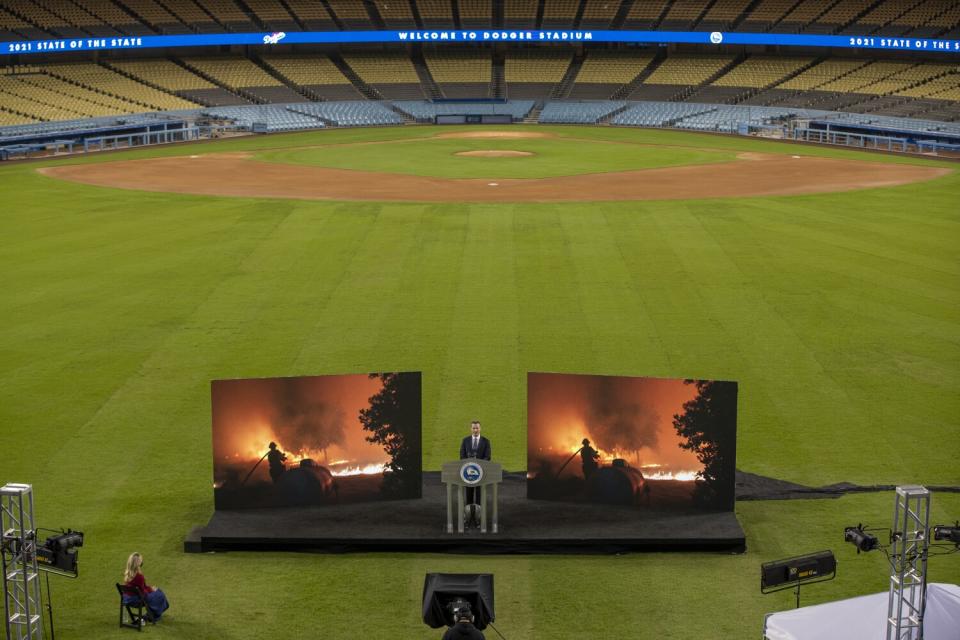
<point>864,618</point>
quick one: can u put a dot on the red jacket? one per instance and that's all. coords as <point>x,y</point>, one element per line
<point>140,581</point>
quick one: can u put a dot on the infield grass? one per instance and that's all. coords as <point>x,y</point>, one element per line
<point>838,314</point>
<point>549,158</point>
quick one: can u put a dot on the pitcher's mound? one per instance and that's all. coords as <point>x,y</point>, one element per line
<point>493,153</point>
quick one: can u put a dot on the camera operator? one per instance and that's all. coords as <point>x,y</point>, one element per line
<point>463,628</point>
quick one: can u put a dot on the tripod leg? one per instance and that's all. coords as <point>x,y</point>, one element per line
<point>53,634</point>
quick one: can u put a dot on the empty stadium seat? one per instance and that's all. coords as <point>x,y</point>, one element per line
<point>461,74</point>
<point>578,112</point>
<point>534,73</point>
<point>391,74</point>
<point>316,75</point>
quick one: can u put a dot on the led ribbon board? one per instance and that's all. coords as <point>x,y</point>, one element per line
<point>926,45</point>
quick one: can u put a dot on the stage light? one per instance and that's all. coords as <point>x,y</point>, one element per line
<point>444,594</point>
<point>950,533</point>
<point>793,572</point>
<point>859,538</point>
<point>790,571</point>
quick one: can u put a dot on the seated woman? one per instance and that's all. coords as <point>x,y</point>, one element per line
<point>155,598</point>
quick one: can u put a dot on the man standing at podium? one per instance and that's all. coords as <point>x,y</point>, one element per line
<point>474,446</point>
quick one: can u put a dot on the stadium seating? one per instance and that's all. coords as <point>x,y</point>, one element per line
<point>534,73</point>
<point>461,74</point>
<point>705,117</point>
<point>350,13</point>
<point>645,15</point>
<point>273,15</point>
<point>314,15</point>
<point>391,74</point>
<point>192,14</point>
<point>13,27</point>
<point>681,15</point>
<point>350,114</point>
<point>761,71</point>
<point>598,14</point>
<point>424,111</point>
<point>722,14</point>
<point>579,112</point>
<point>730,118</point>
<point>657,114</point>
<point>157,17</point>
<point>103,80</point>
<point>230,15</point>
<point>748,77</point>
<point>396,14</point>
<point>26,100</point>
<point>766,15</point>
<point>46,20</point>
<point>176,79</point>
<point>926,19</point>
<point>559,14</point>
<point>436,14</point>
<point>519,14</point>
<point>315,75</point>
<point>8,118</point>
<point>265,117</point>
<point>604,72</point>
<point>884,85</point>
<point>97,17</point>
<point>838,15</point>
<point>677,72</point>
<point>942,86</point>
<point>476,14</point>
<point>244,77</point>
<point>59,99</point>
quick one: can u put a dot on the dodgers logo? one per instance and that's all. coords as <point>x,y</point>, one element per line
<point>274,38</point>
<point>716,37</point>
<point>471,473</point>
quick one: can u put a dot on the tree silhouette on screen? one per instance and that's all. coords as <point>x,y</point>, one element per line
<point>709,425</point>
<point>393,420</point>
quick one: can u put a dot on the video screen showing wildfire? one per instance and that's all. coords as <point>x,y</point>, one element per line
<point>650,443</point>
<point>316,440</point>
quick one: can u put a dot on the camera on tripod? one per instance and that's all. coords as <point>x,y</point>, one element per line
<point>58,553</point>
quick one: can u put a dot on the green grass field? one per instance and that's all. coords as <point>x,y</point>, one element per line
<point>839,315</point>
<point>550,157</point>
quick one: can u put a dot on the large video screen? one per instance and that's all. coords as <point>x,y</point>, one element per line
<point>649,443</point>
<point>316,440</point>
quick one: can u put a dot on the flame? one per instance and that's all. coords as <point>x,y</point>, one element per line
<point>682,476</point>
<point>341,467</point>
<point>366,470</point>
<point>571,442</point>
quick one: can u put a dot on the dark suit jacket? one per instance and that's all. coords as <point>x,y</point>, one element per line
<point>483,450</point>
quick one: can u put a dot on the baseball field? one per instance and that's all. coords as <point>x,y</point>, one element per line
<point>825,281</point>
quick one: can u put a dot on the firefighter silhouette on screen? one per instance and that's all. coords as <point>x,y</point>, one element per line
<point>589,456</point>
<point>276,458</point>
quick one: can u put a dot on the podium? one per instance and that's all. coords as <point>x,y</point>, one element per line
<point>471,473</point>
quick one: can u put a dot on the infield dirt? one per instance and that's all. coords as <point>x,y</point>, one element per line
<point>239,174</point>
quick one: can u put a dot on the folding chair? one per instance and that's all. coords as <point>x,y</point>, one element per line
<point>134,613</point>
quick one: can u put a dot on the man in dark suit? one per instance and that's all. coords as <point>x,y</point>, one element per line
<point>474,446</point>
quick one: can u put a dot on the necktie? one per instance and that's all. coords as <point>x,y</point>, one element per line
<point>476,443</point>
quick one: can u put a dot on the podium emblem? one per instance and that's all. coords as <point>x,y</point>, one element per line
<point>471,473</point>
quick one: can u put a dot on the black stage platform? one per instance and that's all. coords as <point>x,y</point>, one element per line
<point>526,526</point>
